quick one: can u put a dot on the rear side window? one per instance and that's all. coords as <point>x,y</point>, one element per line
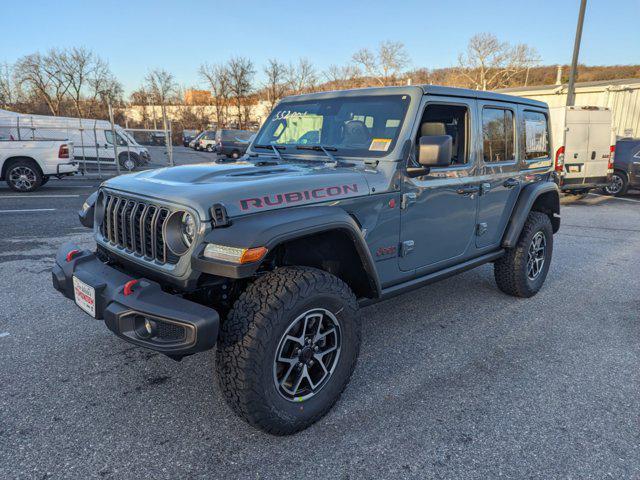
<point>536,135</point>
<point>497,135</point>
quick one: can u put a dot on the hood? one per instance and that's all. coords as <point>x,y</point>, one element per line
<point>244,187</point>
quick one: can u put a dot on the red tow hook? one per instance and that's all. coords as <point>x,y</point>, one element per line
<point>71,254</point>
<point>128,287</point>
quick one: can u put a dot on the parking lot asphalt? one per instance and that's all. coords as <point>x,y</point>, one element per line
<point>455,380</point>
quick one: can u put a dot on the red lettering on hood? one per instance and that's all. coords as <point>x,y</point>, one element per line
<point>296,197</point>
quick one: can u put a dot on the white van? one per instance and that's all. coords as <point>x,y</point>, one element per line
<point>584,144</point>
<point>92,139</point>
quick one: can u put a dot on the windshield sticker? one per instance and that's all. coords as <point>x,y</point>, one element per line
<point>380,144</point>
<point>285,114</point>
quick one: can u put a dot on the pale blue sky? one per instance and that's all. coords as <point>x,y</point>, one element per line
<point>136,36</point>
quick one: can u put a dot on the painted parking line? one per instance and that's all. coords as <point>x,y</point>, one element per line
<point>29,210</point>
<point>39,196</point>
<point>615,198</point>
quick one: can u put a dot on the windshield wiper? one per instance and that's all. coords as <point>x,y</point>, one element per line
<point>276,149</point>
<point>319,148</point>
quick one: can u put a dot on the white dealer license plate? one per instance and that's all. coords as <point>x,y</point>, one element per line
<point>85,296</point>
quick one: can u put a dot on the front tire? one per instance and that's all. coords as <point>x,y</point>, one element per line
<point>288,348</point>
<point>523,269</point>
<point>128,162</point>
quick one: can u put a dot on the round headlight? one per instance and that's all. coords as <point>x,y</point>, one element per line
<point>180,231</point>
<point>188,228</point>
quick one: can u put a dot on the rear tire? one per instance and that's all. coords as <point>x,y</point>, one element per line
<point>619,185</point>
<point>523,269</point>
<point>290,317</point>
<point>23,176</point>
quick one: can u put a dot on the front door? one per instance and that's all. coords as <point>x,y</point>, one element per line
<point>500,177</point>
<point>439,209</point>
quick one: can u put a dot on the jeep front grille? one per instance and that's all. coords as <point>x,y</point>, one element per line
<point>136,227</point>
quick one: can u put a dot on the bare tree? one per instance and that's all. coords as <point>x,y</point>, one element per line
<point>217,76</point>
<point>161,86</point>
<point>302,77</point>
<point>241,72</point>
<point>489,63</point>
<point>276,83</point>
<point>7,94</point>
<point>76,65</point>
<point>42,76</point>
<point>385,65</point>
<point>347,76</point>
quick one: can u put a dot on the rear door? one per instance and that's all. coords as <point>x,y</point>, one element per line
<point>597,162</point>
<point>576,143</point>
<point>500,177</point>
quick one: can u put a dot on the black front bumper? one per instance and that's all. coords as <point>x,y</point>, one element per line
<point>179,327</point>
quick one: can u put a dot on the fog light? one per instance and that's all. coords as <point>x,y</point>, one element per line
<point>149,326</point>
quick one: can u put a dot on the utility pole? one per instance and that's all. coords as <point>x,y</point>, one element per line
<point>571,94</point>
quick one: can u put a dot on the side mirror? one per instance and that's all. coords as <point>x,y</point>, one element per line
<point>435,151</point>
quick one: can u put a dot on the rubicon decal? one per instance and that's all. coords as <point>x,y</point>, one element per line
<point>298,197</point>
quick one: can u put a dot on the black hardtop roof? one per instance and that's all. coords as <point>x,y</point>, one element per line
<point>420,89</point>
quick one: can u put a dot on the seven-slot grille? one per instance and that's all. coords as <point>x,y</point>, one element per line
<point>137,227</point>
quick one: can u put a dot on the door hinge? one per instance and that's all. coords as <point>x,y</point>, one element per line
<point>407,199</point>
<point>481,229</point>
<point>406,247</point>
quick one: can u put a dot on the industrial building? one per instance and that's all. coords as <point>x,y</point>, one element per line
<point>622,96</point>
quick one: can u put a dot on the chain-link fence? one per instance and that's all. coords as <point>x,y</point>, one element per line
<point>100,147</point>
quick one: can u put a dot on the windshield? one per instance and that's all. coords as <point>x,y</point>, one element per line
<point>353,126</point>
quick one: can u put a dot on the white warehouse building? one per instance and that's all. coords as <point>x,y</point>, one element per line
<point>621,96</point>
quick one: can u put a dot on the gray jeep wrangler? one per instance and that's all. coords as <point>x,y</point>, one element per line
<point>343,199</point>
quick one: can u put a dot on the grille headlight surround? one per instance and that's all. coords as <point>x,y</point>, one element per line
<point>180,231</point>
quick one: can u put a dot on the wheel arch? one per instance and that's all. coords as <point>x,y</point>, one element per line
<point>327,238</point>
<point>8,161</point>
<point>540,197</point>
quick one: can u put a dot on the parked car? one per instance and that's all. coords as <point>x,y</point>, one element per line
<point>187,136</point>
<point>583,139</point>
<point>196,140</point>
<point>626,167</point>
<point>208,141</point>
<point>232,143</point>
<point>92,139</point>
<point>28,164</point>
<point>271,257</point>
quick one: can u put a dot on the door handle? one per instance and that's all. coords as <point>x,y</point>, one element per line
<point>468,190</point>
<point>511,183</point>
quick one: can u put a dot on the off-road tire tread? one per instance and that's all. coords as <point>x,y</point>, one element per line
<point>507,270</point>
<point>257,308</point>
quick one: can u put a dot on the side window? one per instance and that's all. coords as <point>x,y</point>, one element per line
<point>536,135</point>
<point>497,135</point>
<point>448,119</point>
<point>109,136</point>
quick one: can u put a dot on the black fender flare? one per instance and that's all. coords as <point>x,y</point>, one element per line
<point>275,227</point>
<point>526,201</point>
